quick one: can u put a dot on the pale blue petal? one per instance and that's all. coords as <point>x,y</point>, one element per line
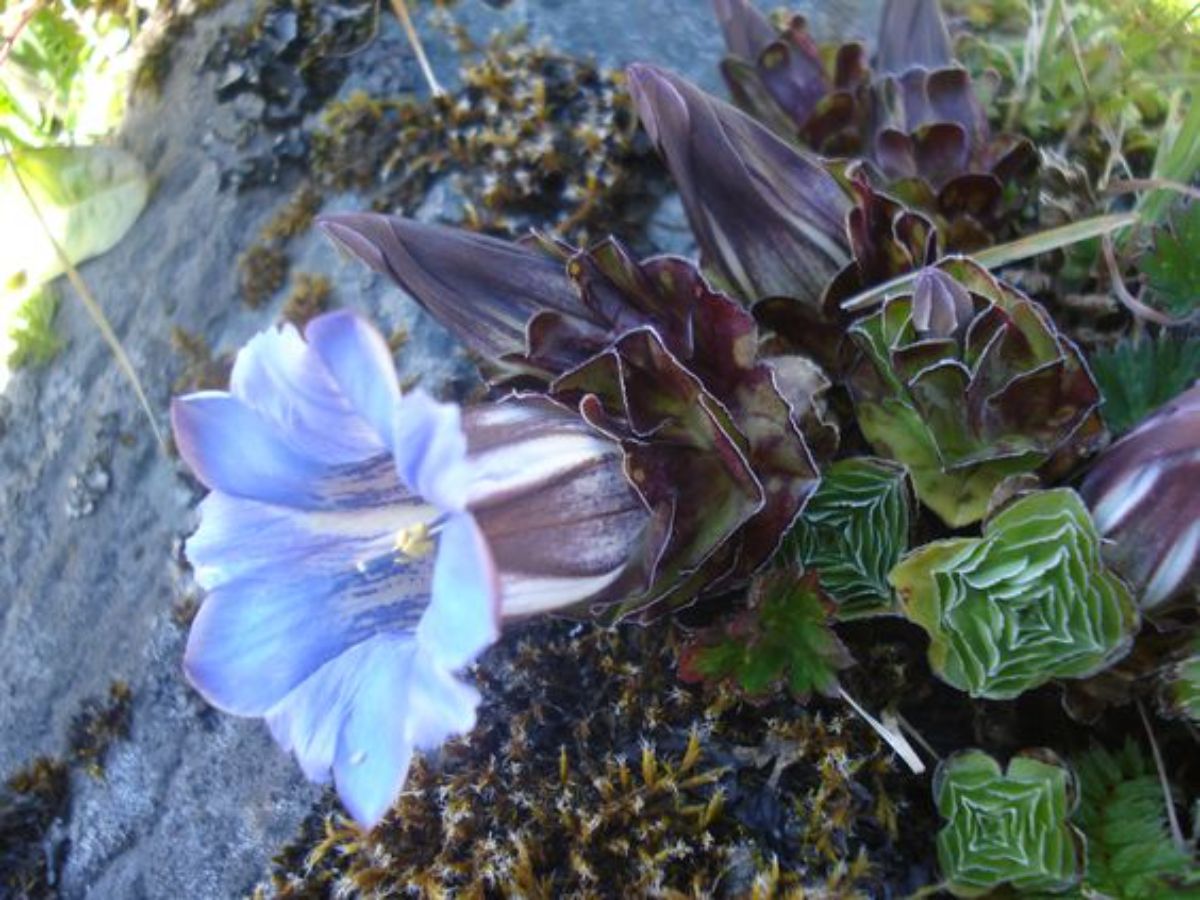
<point>282,378</point>
<point>257,637</point>
<point>231,448</point>
<point>358,359</point>
<point>431,450</point>
<point>400,702</point>
<point>239,537</point>
<point>464,614</point>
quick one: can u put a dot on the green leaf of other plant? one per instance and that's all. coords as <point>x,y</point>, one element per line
<point>1136,377</point>
<point>1170,266</point>
<point>1130,852</point>
<point>88,196</point>
<point>853,531</point>
<point>1028,602</point>
<point>784,637</point>
<point>1007,827</point>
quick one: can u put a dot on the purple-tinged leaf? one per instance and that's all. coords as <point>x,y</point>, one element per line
<point>912,33</point>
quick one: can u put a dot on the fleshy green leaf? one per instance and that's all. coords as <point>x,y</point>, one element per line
<point>853,531</point>
<point>1181,687</point>
<point>88,197</point>
<point>1130,852</point>
<point>1028,602</point>
<point>784,637</point>
<point>1007,827</point>
<point>1136,377</point>
<point>1174,277</point>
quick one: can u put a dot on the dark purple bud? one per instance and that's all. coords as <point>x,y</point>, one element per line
<point>769,220</point>
<point>482,289</point>
<point>1144,492</point>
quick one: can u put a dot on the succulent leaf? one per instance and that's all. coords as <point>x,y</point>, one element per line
<point>784,637</point>
<point>854,531</point>
<point>1137,376</point>
<point>1144,491</point>
<point>1029,601</point>
<point>987,389</point>
<point>1007,827</point>
<point>1131,855</point>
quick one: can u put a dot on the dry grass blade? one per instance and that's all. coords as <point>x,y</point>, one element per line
<point>89,301</point>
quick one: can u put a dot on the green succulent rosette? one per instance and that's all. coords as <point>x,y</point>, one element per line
<point>1007,827</point>
<point>854,531</point>
<point>1028,602</point>
<point>1181,687</point>
<point>966,381</point>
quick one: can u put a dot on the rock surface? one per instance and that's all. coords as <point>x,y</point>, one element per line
<point>92,510</point>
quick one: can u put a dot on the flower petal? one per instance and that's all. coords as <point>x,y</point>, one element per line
<point>362,715</point>
<point>431,450</point>
<point>464,613</point>
<point>278,375</point>
<point>358,359</point>
<point>256,638</point>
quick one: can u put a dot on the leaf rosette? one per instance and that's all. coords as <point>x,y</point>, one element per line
<point>1007,827</point>
<point>967,381</point>
<point>854,531</point>
<point>1028,602</point>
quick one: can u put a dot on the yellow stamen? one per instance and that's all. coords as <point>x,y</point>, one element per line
<point>414,541</point>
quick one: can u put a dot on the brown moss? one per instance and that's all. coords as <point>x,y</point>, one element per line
<point>262,271</point>
<point>532,137</point>
<point>202,371</point>
<point>592,772</point>
<point>97,725</point>
<point>295,216</point>
<point>309,298</point>
<point>30,802</point>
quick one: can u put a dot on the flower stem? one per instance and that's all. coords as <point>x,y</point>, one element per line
<point>1172,818</point>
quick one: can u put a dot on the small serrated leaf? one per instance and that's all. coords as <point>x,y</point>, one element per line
<point>783,637</point>
<point>1170,267</point>
<point>1136,377</point>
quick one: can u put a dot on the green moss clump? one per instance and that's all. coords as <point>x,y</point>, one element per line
<point>593,772</point>
<point>296,216</point>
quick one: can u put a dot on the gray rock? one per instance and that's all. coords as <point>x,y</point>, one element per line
<point>92,509</point>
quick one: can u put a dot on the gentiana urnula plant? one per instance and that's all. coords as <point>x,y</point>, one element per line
<point>825,419</point>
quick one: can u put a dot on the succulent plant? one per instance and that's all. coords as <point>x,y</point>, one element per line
<point>1007,827</point>
<point>1144,491</point>
<point>966,381</point>
<point>854,531</point>
<point>916,118</point>
<point>1029,601</point>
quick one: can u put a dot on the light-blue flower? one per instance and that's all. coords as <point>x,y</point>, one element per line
<point>322,614</point>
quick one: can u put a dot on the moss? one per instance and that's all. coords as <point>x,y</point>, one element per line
<point>30,802</point>
<point>533,137</point>
<point>309,298</point>
<point>296,215</point>
<point>593,772</point>
<point>262,270</point>
<point>202,371</point>
<point>97,725</point>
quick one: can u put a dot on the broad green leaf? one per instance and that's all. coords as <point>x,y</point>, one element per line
<point>88,196</point>
<point>784,637</point>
